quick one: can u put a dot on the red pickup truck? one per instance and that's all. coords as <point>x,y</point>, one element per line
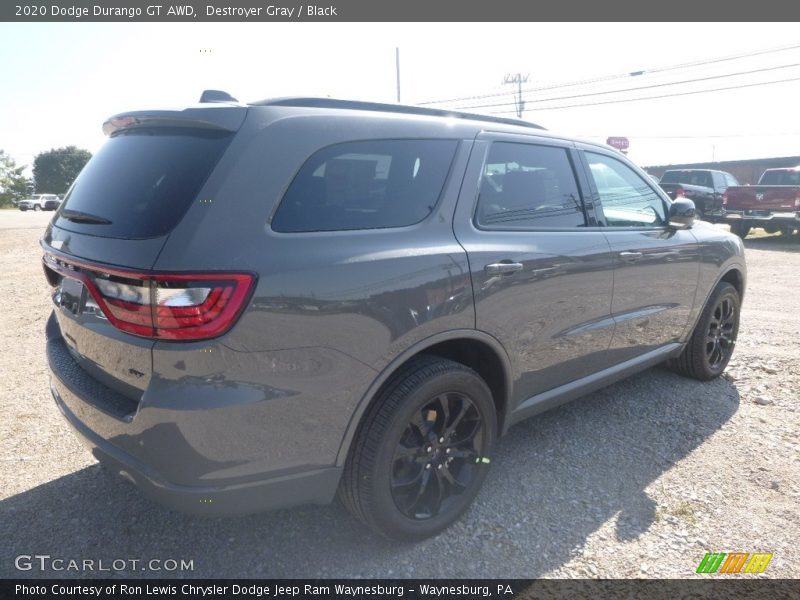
<point>773,204</point>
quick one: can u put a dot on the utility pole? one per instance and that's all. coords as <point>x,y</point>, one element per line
<point>397,69</point>
<point>519,80</point>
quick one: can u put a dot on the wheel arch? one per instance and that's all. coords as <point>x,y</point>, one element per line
<point>736,275</point>
<point>473,348</point>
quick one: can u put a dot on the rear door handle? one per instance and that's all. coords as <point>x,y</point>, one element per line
<point>503,268</point>
<point>630,256</point>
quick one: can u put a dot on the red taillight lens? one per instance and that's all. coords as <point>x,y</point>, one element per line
<point>725,199</point>
<point>797,201</point>
<point>170,306</point>
<point>126,303</point>
<point>188,306</point>
<point>680,192</point>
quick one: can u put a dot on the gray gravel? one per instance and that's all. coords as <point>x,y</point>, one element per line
<point>637,480</point>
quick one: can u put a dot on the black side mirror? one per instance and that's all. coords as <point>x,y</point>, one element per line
<point>681,213</point>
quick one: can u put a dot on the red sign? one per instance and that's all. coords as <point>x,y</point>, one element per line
<point>620,143</point>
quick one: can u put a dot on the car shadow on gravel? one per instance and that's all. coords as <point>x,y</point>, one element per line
<point>554,481</point>
<point>779,243</point>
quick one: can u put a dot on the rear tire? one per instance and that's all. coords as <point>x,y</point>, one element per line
<point>420,455</point>
<point>740,229</point>
<point>710,348</point>
<point>36,208</point>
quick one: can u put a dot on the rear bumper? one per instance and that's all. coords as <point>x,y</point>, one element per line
<point>141,447</point>
<point>763,216</point>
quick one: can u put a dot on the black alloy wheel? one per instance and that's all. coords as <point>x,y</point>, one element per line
<point>437,456</point>
<point>721,332</point>
<point>421,451</point>
<point>708,351</point>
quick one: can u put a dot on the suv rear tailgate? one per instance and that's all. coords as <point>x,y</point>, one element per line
<point>768,198</point>
<point>112,226</point>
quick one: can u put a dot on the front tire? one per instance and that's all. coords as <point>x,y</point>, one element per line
<point>710,348</point>
<point>422,451</point>
<point>36,208</point>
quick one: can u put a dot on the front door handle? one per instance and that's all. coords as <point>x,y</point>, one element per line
<point>503,268</point>
<point>630,256</point>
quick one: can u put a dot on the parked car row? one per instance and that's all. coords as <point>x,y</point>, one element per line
<point>40,202</point>
<point>773,204</point>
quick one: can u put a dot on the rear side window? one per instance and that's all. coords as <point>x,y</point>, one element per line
<point>143,181</point>
<point>366,185</point>
<point>525,186</point>
<point>701,178</point>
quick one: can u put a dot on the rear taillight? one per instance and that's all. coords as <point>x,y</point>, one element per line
<point>679,192</point>
<point>170,306</point>
<point>797,200</point>
<point>725,199</point>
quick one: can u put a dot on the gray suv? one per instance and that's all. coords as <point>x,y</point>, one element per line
<point>265,305</point>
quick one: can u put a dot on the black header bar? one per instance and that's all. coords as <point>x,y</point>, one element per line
<point>416,589</point>
<point>263,11</point>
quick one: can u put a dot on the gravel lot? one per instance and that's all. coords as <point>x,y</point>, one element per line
<point>637,480</point>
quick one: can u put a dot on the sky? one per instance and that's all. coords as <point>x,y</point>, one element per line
<point>60,81</point>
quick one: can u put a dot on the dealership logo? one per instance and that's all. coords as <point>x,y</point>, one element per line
<point>734,562</point>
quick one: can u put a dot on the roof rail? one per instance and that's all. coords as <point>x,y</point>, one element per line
<point>392,108</point>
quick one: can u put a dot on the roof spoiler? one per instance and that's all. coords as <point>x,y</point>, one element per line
<point>220,118</point>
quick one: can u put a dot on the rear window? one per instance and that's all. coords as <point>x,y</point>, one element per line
<point>787,177</point>
<point>702,178</point>
<point>143,181</point>
<point>366,185</point>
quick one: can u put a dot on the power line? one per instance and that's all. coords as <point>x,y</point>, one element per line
<point>733,87</point>
<point>621,75</point>
<point>642,87</point>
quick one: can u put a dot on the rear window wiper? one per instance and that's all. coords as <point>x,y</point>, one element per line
<point>78,216</point>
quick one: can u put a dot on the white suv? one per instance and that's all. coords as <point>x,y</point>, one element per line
<point>39,202</point>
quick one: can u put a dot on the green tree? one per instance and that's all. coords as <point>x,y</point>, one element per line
<point>55,170</point>
<point>12,181</point>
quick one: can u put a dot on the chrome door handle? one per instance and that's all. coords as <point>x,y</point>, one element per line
<point>503,268</point>
<point>630,256</point>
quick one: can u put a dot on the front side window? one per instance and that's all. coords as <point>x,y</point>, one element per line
<point>627,199</point>
<point>525,186</point>
<point>366,185</point>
